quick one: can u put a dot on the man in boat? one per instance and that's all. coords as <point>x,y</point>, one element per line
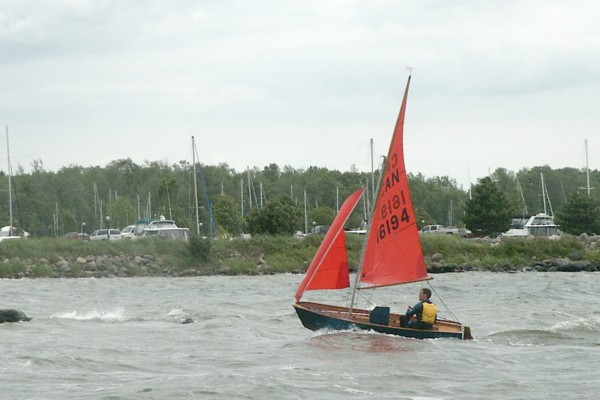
<point>425,312</point>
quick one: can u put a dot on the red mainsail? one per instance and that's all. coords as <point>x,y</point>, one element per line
<point>329,268</point>
<point>393,252</point>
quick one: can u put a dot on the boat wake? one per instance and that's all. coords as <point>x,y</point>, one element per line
<point>362,341</point>
<point>583,330</point>
<point>526,337</point>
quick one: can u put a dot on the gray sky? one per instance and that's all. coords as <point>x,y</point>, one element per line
<point>508,84</point>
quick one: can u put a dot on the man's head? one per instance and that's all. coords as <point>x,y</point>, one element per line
<point>424,294</point>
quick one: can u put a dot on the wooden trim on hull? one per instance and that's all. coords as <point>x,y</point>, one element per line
<point>315,316</point>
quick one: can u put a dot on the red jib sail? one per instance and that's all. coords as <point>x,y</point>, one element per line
<point>329,268</point>
<point>393,253</point>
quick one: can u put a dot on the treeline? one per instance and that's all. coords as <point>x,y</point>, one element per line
<point>52,203</point>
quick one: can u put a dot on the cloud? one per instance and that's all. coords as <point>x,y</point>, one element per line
<point>300,83</point>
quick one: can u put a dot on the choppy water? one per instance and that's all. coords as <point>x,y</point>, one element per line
<point>537,337</point>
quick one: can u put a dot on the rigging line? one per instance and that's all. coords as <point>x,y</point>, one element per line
<point>362,295</point>
<point>442,301</point>
<point>368,300</point>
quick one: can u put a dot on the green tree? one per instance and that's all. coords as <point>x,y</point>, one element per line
<point>67,223</point>
<point>322,215</point>
<point>506,182</point>
<point>121,214</point>
<point>280,216</point>
<point>436,197</point>
<point>227,215</point>
<point>423,218</point>
<point>167,190</point>
<point>488,212</point>
<point>580,214</point>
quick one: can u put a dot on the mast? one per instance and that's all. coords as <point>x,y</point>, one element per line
<point>546,197</point>
<point>384,167</point>
<point>469,178</point>
<point>549,203</point>
<point>587,172</point>
<point>10,214</point>
<point>261,194</point>
<point>209,209</point>
<point>242,195</point>
<point>520,190</point>
<point>195,186</point>
<point>587,169</point>
<point>372,172</point>
<point>148,207</point>
<point>305,215</point>
<point>543,192</point>
<point>249,190</point>
<point>363,249</point>
<point>367,201</point>
<point>169,199</point>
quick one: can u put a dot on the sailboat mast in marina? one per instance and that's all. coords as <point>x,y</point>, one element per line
<point>10,214</point>
<point>391,255</point>
<point>195,187</point>
<point>212,224</point>
<point>8,232</point>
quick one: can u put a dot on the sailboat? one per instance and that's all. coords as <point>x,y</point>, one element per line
<point>391,255</point>
<point>538,225</point>
<point>8,232</point>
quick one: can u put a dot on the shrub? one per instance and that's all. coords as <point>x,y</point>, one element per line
<point>42,270</point>
<point>199,249</point>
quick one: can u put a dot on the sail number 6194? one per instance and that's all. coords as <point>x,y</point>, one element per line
<point>392,223</point>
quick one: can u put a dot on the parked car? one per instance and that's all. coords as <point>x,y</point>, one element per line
<point>320,229</point>
<point>77,236</point>
<point>439,229</point>
<point>128,232</point>
<point>103,234</point>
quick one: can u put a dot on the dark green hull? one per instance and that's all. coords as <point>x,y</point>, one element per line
<point>320,316</point>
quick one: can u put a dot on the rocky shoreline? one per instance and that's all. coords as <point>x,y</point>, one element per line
<point>549,265</point>
<point>146,265</point>
<point>104,266</point>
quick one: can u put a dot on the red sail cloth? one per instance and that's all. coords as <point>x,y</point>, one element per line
<point>329,267</point>
<point>394,253</point>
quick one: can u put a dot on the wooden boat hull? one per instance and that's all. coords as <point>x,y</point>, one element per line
<point>315,316</point>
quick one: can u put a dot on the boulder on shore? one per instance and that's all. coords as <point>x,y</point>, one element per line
<point>11,315</point>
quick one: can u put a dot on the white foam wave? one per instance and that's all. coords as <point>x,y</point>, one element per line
<point>585,324</point>
<point>118,314</point>
<point>178,312</point>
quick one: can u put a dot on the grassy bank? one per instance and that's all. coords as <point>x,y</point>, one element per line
<point>268,255</point>
<point>509,254</point>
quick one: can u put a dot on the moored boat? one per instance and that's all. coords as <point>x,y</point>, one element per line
<point>165,228</point>
<point>539,225</point>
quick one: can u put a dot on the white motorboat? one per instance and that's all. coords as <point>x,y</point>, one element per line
<point>540,224</point>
